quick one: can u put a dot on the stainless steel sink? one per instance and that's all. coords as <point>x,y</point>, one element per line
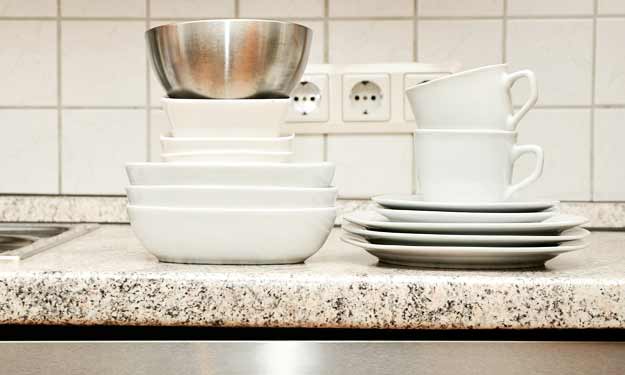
<point>19,241</point>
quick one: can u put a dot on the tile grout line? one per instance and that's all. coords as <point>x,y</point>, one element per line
<point>504,32</point>
<point>237,8</point>
<point>148,97</point>
<point>326,32</point>
<point>415,31</point>
<point>592,100</point>
<point>415,51</point>
<point>59,98</point>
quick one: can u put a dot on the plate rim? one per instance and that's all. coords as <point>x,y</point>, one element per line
<point>473,206</point>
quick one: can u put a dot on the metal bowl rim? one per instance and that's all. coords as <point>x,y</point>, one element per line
<point>223,20</point>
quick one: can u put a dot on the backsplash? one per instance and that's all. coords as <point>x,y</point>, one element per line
<point>78,99</point>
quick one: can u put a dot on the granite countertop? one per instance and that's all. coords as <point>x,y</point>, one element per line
<point>106,277</point>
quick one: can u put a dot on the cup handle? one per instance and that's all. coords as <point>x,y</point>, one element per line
<point>511,79</point>
<point>517,151</point>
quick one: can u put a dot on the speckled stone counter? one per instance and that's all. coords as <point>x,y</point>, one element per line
<point>106,277</point>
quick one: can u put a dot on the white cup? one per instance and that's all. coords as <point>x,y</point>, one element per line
<point>470,165</point>
<point>474,99</point>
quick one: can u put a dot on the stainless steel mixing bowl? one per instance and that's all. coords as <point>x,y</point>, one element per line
<point>229,59</point>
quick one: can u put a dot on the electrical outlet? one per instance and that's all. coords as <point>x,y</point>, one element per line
<point>413,80</point>
<point>310,99</point>
<point>366,97</point>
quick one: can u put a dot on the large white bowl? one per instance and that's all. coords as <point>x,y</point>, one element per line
<point>225,118</point>
<point>228,174</point>
<point>195,144</point>
<point>231,196</point>
<point>232,236</point>
<point>228,157</point>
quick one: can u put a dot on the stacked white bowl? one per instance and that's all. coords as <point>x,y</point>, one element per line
<point>227,192</point>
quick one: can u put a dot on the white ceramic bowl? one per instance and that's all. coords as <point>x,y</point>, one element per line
<point>225,117</point>
<point>228,157</point>
<point>195,144</point>
<point>231,196</point>
<point>232,236</point>
<point>228,174</point>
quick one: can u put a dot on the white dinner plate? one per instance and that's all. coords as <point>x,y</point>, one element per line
<point>429,239</point>
<point>464,256</point>
<point>465,217</point>
<point>556,224</point>
<point>414,202</point>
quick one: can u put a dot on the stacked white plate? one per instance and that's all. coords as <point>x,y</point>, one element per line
<point>219,198</point>
<point>408,231</point>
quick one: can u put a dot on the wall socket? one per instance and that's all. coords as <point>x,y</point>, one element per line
<point>357,98</point>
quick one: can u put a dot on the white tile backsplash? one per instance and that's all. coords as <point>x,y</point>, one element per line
<point>452,8</point>
<point>371,8</point>
<point>28,63</point>
<point>471,42</point>
<point>96,146</point>
<point>564,135</point>
<point>550,7</point>
<point>99,8</point>
<point>368,165</point>
<point>610,65</point>
<point>104,63</point>
<point>609,160</point>
<point>102,82</point>
<point>280,8</point>
<point>28,8</point>
<point>29,151</point>
<point>370,41</point>
<point>559,52</point>
<point>192,8</point>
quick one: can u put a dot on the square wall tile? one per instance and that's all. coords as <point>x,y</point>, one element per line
<point>609,183</point>
<point>96,146</point>
<point>371,8</point>
<point>28,63</point>
<point>98,8</point>
<point>371,164</point>
<point>610,63</point>
<point>104,63</point>
<point>29,8</point>
<point>564,135</point>
<point>472,43</point>
<point>611,7</point>
<point>192,8</point>
<point>29,151</point>
<point>550,7</point>
<point>453,8</point>
<point>280,8</point>
<point>308,148</point>
<point>559,52</point>
<point>370,41</point>
<point>159,124</point>
<point>318,41</point>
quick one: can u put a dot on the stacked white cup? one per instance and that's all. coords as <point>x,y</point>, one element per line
<point>465,147</point>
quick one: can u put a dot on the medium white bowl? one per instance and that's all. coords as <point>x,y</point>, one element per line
<point>228,174</point>
<point>225,118</point>
<point>232,236</point>
<point>195,144</point>
<point>231,197</point>
<point>228,157</point>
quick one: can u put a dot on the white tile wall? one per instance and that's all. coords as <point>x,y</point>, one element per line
<point>29,151</point>
<point>89,61</point>
<point>368,165</point>
<point>471,42</point>
<point>96,146</point>
<point>564,135</point>
<point>28,63</point>
<point>609,160</point>
<point>610,71</point>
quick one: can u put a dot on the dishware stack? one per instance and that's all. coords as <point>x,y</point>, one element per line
<point>467,214</point>
<point>227,191</point>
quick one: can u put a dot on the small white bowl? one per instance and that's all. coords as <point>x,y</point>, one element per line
<point>228,157</point>
<point>225,117</point>
<point>231,196</point>
<point>232,236</point>
<point>194,144</point>
<point>228,174</point>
